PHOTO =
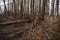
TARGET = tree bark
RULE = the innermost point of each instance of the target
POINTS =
(57, 7)
(43, 10)
(15, 10)
(32, 8)
(28, 7)
(52, 11)
(22, 9)
(5, 9)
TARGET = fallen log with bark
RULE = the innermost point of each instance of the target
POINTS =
(15, 22)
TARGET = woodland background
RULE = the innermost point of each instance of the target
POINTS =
(29, 19)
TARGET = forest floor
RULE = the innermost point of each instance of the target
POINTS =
(28, 31)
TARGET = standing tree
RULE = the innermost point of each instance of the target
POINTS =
(22, 10)
(47, 10)
(5, 10)
(25, 7)
(57, 7)
(0, 10)
(8, 5)
(28, 7)
(1, 16)
(52, 10)
(43, 9)
(15, 10)
(39, 8)
(32, 8)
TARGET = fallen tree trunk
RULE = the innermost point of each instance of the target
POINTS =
(13, 22)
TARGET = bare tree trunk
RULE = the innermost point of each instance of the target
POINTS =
(8, 5)
(22, 9)
(28, 7)
(24, 6)
(15, 10)
(12, 10)
(40, 14)
(57, 7)
(0, 10)
(18, 6)
(39, 7)
(43, 10)
(32, 8)
(5, 10)
(18, 15)
(8, 8)
(52, 11)
(47, 7)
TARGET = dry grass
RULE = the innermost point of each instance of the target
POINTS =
(52, 19)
